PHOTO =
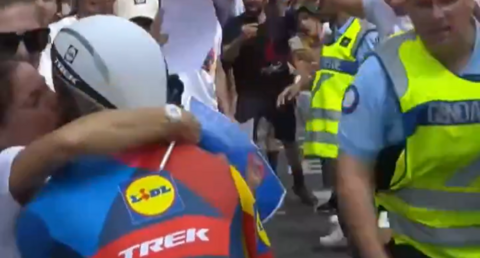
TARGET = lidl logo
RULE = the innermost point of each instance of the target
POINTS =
(151, 196)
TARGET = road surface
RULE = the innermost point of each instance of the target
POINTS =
(294, 232)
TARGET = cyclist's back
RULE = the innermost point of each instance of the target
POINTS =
(102, 207)
(199, 206)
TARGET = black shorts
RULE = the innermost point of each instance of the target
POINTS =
(256, 106)
(329, 168)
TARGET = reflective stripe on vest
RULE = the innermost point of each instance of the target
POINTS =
(434, 200)
(337, 68)
(452, 237)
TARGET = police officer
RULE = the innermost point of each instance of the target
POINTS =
(411, 118)
(353, 39)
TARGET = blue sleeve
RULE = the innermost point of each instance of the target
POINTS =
(368, 44)
(33, 237)
(369, 113)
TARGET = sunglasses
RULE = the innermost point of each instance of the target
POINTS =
(35, 41)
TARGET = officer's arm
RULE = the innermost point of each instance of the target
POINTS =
(352, 7)
(361, 132)
(99, 133)
(367, 46)
(377, 12)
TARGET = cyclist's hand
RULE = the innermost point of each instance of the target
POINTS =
(288, 94)
(188, 129)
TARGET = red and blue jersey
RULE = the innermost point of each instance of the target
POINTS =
(103, 207)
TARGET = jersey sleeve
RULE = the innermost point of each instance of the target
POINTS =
(256, 240)
(33, 237)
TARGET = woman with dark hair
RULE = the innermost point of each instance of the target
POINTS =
(33, 146)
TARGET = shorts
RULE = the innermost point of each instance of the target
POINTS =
(260, 106)
(329, 167)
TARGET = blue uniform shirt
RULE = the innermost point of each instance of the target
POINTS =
(375, 122)
(368, 41)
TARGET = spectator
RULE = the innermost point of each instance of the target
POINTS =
(204, 81)
(142, 12)
(149, 16)
(54, 10)
(21, 32)
(225, 9)
(387, 15)
(208, 83)
(66, 7)
(256, 48)
(85, 8)
(25, 99)
(48, 10)
(306, 45)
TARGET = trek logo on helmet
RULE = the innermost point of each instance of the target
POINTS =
(60, 67)
(71, 54)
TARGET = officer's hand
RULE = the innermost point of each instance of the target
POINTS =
(187, 130)
(288, 94)
(249, 30)
(255, 172)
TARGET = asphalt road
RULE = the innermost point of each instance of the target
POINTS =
(295, 230)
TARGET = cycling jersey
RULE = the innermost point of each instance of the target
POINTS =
(99, 207)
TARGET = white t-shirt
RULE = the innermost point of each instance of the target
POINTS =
(201, 83)
(45, 68)
(382, 15)
(9, 207)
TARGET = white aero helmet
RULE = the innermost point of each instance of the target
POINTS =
(110, 61)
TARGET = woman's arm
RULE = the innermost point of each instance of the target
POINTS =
(99, 133)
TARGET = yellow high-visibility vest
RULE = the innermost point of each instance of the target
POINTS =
(433, 201)
(338, 67)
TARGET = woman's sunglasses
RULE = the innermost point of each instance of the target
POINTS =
(35, 41)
